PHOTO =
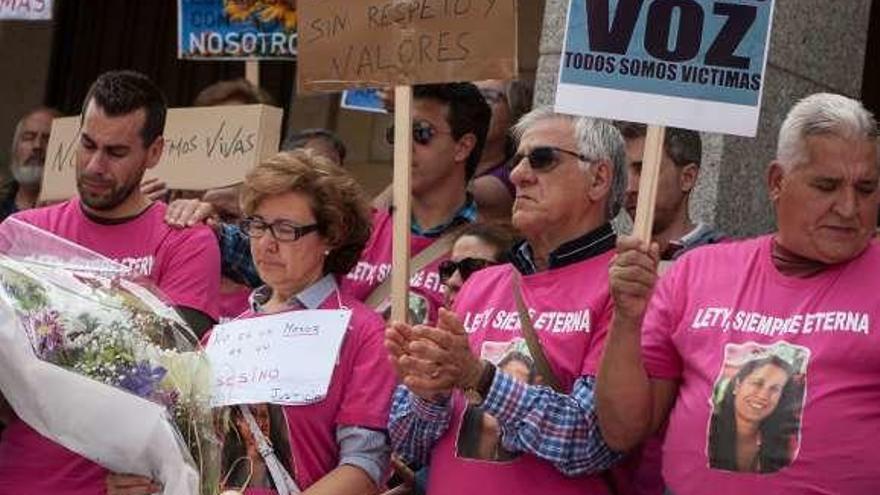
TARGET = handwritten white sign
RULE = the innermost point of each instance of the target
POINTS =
(285, 358)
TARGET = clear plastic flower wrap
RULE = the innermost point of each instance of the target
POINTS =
(96, 361)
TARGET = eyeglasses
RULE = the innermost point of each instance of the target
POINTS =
(282, 230)
(466, 267)
(422, 133)
(493, 96)
(545, 158)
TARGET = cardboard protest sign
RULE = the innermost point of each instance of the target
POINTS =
(345, 44)
(26, 10)
(59, 172)
(696, 64)
(236, 29)
(205, 148)
(285, 358)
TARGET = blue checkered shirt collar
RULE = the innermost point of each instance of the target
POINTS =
(464, 215)
(310, 298)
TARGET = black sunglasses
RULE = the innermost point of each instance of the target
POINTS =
(544, 158)
(466, 267)
(282, 230)
(422, 132)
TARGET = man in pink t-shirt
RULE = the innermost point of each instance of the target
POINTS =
(476, 397)
(121, 137)
(761, 354)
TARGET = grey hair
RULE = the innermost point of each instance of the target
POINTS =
(596, 139)
(822, 114)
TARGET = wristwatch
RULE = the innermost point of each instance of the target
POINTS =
(477, 394)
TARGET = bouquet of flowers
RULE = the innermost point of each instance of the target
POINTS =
(101, 365)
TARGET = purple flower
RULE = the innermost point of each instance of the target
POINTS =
(142, 379)
(47, 332)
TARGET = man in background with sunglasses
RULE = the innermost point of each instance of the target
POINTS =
(450, 123)
(673, 230)
(551, 302)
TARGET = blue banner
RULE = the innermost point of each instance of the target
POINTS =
(363, 99)
(237, 29)
(698, 49)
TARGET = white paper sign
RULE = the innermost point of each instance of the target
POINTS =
(696, 64)
(285, 358)
(26, 10)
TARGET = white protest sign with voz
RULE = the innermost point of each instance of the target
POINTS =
(695, 64)
(285, 358)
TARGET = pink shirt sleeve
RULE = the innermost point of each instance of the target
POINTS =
(662, 317)
(367, 397)
(190, 275)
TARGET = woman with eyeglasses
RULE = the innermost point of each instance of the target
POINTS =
(308, 222)
(477, 246)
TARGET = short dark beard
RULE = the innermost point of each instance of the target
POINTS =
(116, 196)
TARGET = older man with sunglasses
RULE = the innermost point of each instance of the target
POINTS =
(551, 304)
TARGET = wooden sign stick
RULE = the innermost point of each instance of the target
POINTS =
(401, 201)
(252, 72)
(653, 155)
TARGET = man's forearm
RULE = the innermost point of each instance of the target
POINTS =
(623, 390)
(344, 480)
(415, 425)
(558, 428)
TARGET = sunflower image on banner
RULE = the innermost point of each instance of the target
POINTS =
(236, 29)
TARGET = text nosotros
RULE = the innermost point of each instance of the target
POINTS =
(421, 49)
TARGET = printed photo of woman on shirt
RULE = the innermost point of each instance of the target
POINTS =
(480, 436)
(757, 405)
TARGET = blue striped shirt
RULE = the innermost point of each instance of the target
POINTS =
(561, 429)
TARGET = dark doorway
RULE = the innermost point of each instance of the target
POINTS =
(871, 80)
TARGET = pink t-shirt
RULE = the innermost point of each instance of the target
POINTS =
(571, 318)
(375, 266)
(359, 395)
(184, 265)
(233, 300)
(795, 358)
